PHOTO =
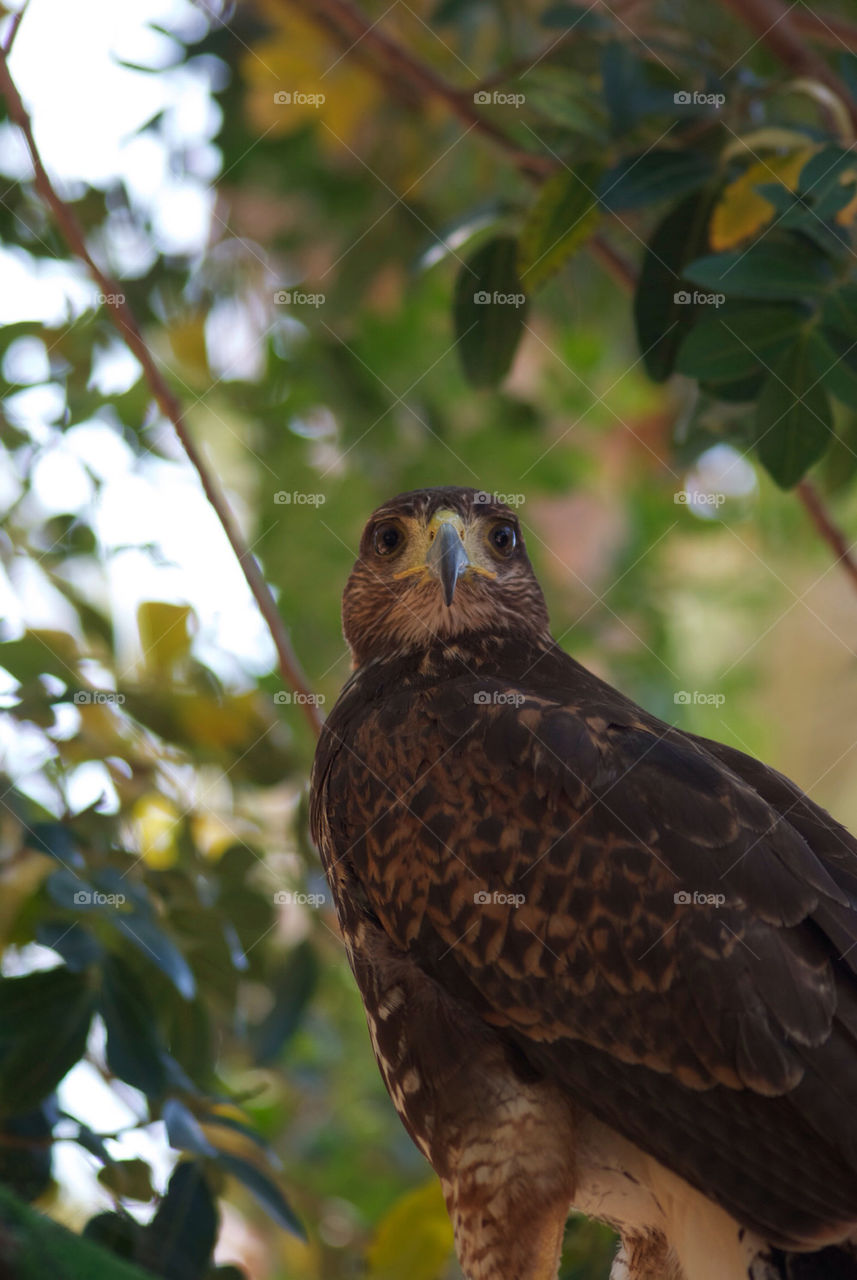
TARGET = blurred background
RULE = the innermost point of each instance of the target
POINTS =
(298, 224)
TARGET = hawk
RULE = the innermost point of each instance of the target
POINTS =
(607, 965)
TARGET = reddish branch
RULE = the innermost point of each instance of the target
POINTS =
(771, 20)
(126, 323)
(831, 533)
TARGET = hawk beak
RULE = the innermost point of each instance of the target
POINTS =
(447, 558)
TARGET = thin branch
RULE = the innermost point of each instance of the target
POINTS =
(772, 23)
(830, 532)
(17, 19)
(125, 321)
(836, 33)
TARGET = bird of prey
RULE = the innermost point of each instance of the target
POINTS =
(607, 965)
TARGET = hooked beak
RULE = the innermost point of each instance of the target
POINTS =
(447, 557)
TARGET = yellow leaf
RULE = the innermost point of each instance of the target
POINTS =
(413, 1241)
(741, 211)
(297, 76)
(156, 821)
(231, 722)
(187, 339)
(166, 631)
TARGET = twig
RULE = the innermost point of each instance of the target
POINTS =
(771, 21)
(836, 33)
(126, 323)
(17, 19)
(829, 531)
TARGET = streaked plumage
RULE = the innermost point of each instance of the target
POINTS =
(510, 843)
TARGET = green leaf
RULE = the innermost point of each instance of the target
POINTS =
(654, 175)
(71, 942)
(44, 1023)
(129, 1179)
(835, 359)
(134, 1049)
(662, 321)
(561, 220)
(161, 950)
(27, 1169)
(40, 652)
(731, 344)
(788, 268)
(293, 986)
(179, 1241)
(839, 311)
(489, 311)
(184, 1130)
(827, 181)
(793, 418)
(265, 1190)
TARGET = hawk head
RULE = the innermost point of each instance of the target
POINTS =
(436, 565)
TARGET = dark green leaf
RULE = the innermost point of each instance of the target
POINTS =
(661, 315)
(729, 344)
(179, 1241)
(835, 359)
(489, 311)
(839, 311)
(265, 1190)
(184, 1130)
(788, 268)
(27, 1169)
(161, 950)
(55, 839)
(44, 1023)
(129, 1179)
(116, 1232)
(561, 220)
(827, 181)
(793, 418)
(293, 986)
(134, 1050)
(70, 941)
(654, 175)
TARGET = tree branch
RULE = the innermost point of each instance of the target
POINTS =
(830, 532)
(772, 22)
(125, 321)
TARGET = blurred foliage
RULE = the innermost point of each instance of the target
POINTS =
(384, 300)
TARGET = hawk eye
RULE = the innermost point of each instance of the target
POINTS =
(388, 538)
(503, 538)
